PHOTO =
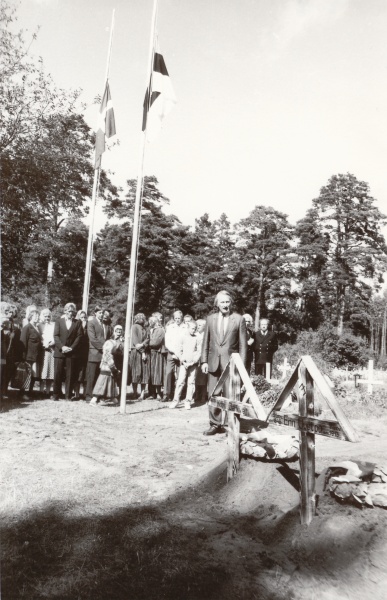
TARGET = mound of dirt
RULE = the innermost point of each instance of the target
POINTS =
(97, 505)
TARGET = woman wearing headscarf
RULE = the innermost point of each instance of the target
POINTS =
(139, 362)
(156, 346)
(46, 362)
(106, 388)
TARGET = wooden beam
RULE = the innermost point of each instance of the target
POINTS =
(253, 397)
(324, 427)
(307, 445)
(329, 397)
(233, 423)
(240, 408)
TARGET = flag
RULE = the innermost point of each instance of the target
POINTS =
(106, 125)
(159, 98)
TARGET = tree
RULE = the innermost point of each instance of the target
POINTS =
(28, 95)
(46, 161)
(209, 252)
(161, 282)
(348, 232)
(312, 257)
(265, 263)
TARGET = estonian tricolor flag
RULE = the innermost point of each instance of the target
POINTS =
(106, 125)
(159, 98)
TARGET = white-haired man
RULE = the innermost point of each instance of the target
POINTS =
(225, 333)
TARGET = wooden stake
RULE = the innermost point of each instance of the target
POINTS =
(307, 448)
(233, 423)
(268, 371)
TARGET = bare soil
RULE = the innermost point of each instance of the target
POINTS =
(99, 505)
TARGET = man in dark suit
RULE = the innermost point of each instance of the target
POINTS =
(99, 330)
(224, 334)
(265, 344)
(67, 336)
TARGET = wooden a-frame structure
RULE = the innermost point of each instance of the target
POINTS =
(308, 377)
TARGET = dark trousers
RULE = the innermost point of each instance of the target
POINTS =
(170, 375)
(91, 378)
(261, 369)
(217, 416)
(71, 372)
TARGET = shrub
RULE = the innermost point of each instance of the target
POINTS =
(327, 349)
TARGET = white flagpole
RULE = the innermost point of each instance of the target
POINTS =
(97, 172)
(135, 232)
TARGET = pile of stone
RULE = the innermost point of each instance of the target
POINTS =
(362, 484)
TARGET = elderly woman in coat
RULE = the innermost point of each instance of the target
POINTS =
(139, 358)
(31, 341)
(156, 346)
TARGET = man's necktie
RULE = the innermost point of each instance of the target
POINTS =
(222, 329)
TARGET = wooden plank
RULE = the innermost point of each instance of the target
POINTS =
(247, 410)
(233, 423)
(221, 380)
(311, 444)
(245, 397)
(326, 428)
(329, 397)
(268, 371)
(286, 391)
(254, 399)
(307, 444)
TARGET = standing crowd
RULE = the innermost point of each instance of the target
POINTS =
(180, 361)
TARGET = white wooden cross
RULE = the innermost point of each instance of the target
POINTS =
(285, 368)
(370, 381)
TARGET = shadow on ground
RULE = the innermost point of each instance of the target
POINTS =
(191, 547)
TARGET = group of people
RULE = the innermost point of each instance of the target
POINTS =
(70, 349)
(179, 362)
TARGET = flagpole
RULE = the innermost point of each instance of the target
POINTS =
(97, 172)
(135, 232)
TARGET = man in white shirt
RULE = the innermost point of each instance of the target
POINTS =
(172, 343)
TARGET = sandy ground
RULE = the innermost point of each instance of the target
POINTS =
(71, 462)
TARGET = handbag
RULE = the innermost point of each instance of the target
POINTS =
(22, 377)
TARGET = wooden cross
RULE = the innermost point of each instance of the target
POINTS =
(371, 381)
(308, 377)
(285, 368)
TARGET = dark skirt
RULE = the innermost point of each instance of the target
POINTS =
(139, 369)
(156, 368)
(106, 386)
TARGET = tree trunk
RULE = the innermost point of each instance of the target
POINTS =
(340, 316)
(259, 302)
(384, 333)
(49, 280)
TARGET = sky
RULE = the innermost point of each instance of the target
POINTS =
(274, 96)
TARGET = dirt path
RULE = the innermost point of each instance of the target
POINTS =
(149, 485)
